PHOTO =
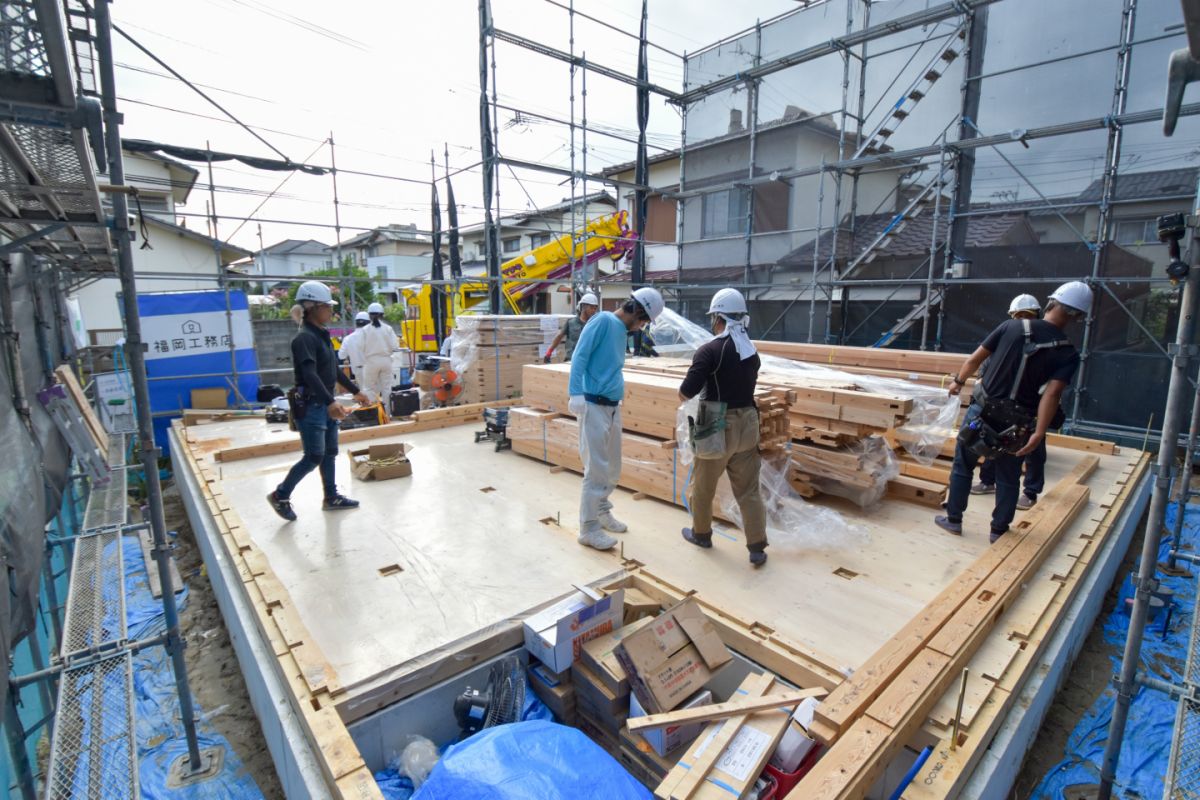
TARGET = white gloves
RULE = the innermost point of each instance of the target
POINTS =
(576, 405)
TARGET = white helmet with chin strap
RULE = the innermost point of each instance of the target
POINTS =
(1024, 302)
(727, 301)
(650, 301)
(1074, 295)
(375, 308)
(589, 299)
(316, 292)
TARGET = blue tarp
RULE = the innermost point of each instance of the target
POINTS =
(160, 736)
(1146, 745)
(534, 760)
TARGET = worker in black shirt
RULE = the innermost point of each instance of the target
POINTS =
(1049, 362)
(724, 373)
(314, 407)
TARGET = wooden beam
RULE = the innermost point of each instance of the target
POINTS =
(780, 701)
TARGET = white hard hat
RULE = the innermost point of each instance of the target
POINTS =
(362, 316)
(727, 301)
(316, 292)
(1023, 302)
(375, 308)
(1074, 294)
(650, 300)
(589, 299)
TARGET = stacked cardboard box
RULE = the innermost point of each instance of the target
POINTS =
(602, 687)
(555, 689)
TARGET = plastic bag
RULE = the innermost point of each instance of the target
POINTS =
(418, 760)
(879, 462)
(535, 760)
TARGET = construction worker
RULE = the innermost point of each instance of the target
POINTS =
(378, 343)
(1025, 359)
(724, 373)
(1023, 306)
(596, 389)
(350, 353)
(314, 407)
(447, 344)
(571, 329)
(640, 343)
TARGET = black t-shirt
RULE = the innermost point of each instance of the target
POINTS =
(315, 364)
(722, 374)
(1006, 345)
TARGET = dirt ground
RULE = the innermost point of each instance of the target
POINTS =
(216, 680)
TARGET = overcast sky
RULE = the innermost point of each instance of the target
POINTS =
(393, 80)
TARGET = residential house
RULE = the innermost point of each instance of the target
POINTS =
(292, 258)
(166, 249)
(520, 233)
(390, 254)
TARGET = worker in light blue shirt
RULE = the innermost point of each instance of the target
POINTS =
(596, 390)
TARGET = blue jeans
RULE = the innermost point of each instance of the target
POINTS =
(319, 436)
(1008, 478)
(1035, 471)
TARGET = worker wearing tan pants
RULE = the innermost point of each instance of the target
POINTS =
(742, 463)
(724, 430)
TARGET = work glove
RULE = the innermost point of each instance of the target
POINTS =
(546, 358)
(576, 405)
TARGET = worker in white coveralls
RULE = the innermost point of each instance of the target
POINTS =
(378, 343)
(725, 431)
(350, 353)
(596, 390)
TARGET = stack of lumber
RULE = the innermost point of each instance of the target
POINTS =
(490, 351)
(874, 713)
(827, 422)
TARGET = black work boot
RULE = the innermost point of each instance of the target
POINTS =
(339, 503)
(282, 506)
(699, 539)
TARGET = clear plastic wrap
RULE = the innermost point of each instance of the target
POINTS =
(932, 418)
(487, 351)
(879, 462)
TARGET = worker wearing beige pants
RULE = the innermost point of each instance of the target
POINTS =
(724, 430)
(742, 463)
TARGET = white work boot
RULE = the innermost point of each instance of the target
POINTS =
(597, 539)
(612, 524)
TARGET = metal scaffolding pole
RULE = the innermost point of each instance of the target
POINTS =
(135, 348)
(641, 174)
(222, 280)
(488, 152)
(1146, 583)
(1171, 565)
(347, 308)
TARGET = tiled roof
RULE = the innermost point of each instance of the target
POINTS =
(690, 275)
(912, 240)
(1147, 185)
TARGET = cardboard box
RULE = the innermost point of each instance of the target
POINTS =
(796, 743)
(210, 398)
(558, 695)
(595, 731)
(663, 740)
(599, 656)
(639, 605)
(601, 717)
(641, 751)
(556, 635)
(597, 695)
(672, 658)
(738, 766)
(365, 463)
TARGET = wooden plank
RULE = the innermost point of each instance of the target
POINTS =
(782, 701)
(916, 490)
(66, 376)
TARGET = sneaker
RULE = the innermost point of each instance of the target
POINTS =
(699, 540)
(612, 524)
(983, 488)
(1026, 502)
(339, 503)
(995, 535)
(597, 539)
(757, 558)
(946, 524)
(282, 506)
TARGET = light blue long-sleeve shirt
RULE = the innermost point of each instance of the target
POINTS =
(598, 358)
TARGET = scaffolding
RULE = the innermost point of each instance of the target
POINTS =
(938, 122)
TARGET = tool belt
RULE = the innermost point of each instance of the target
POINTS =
(706, 431)
(1004, 426)
(297, 398)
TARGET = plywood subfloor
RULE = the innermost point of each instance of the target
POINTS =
(466, 532)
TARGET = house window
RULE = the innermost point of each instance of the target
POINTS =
(724, 213)
(1136, 232)
(381, 273)
(539, 239)
(511, 244)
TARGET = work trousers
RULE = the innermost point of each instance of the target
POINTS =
(600, 451)
(377, 378)
(319, 437)
(742, 463)
(1035, 471)
(1008, 476)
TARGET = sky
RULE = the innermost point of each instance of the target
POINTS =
(391, 81)
(394, 81)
